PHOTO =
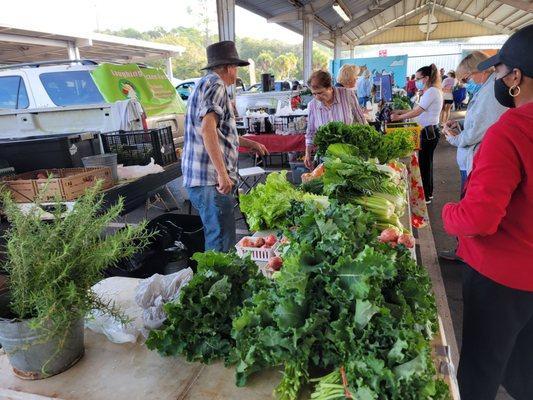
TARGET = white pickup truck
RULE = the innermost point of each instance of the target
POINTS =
(61, 97)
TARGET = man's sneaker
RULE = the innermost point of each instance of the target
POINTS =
(449, 255)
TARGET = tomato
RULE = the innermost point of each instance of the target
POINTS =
(271, 240)
(259, 242)
(275, 263)
(246, 242)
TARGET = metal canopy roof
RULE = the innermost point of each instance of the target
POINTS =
(18, 45)
(392, 21)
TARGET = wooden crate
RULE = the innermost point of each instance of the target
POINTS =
(70, 183)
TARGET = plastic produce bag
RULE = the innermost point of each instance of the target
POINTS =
(138, 171)
(115, 331)
(152, 293)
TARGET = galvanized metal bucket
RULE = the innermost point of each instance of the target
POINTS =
(34, 356)
(103, 160)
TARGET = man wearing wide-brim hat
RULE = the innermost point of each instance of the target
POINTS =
(211, 147)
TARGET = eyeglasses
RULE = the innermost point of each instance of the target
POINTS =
(319, 93)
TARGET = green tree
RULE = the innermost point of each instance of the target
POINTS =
(264, 62)
(320, 60)
(282, 59)
(284, 65)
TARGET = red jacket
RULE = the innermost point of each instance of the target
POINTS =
(494, 221)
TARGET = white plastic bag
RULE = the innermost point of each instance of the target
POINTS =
(138, 171)
(152, 293)
(115, 331)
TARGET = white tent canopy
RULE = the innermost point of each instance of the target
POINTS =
(21, 45)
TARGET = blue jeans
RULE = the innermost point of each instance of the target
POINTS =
(464, 175)
(216, 212)
(363, 100)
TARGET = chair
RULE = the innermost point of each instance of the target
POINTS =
(248, 178)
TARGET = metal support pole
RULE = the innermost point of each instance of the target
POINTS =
(337, 44)
(169, 69)
(73, 51)
(308, 45)
(226, 19)
(352, 51)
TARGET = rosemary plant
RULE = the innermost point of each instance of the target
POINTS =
(52, 265)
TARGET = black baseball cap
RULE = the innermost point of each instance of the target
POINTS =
(515, 53)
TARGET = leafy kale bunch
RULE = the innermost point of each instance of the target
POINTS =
(368, 142)
(283, 324)
(341, 298)
(199, 322)
(364, 137)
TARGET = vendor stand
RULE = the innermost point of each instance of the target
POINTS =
(132, 372)
(141, 374)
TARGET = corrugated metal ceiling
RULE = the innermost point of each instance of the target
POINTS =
(371, 18)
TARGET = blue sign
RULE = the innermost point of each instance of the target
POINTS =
(395, 66)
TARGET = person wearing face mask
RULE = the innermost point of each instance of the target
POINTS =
(483, 111)
(427, 113)
(329, 104)
(494, 224)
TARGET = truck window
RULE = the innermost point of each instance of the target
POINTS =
(69, 88)
(13, 93)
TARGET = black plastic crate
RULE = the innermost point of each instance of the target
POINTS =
(48, 151)
(137, 147)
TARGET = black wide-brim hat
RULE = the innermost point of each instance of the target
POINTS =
(223, 53)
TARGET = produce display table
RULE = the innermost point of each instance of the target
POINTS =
(131, 371)
(278, 143)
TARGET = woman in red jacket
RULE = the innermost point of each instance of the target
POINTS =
(494, 223)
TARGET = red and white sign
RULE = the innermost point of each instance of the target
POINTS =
(383, 53)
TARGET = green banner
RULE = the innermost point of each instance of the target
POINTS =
(149, 86)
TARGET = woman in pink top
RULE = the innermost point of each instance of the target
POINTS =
(329, 104)
(447, 92)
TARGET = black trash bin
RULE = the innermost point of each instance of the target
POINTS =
(171, 228)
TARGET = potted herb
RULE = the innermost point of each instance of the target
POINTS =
(52, 266)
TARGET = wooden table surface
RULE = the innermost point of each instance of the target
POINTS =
(110, 371)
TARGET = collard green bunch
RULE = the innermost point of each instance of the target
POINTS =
(368, 142)
(364, 137)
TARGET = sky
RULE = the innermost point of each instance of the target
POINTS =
(82, 16)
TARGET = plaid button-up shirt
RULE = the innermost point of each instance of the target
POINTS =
(345, 108)
(209, 95)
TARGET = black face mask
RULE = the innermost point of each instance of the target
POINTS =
(501, 92)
